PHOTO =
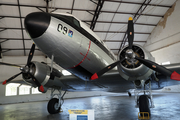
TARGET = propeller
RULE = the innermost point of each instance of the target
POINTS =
(152, 65)
(130, 31)
(31, 53)
(37, 83)
(131, 55)
(6, 81)
(25, 69)
(159, 68)
(104, 70)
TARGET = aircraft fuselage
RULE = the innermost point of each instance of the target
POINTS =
(74, 46)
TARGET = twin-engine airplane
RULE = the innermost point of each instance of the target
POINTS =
(72, 45)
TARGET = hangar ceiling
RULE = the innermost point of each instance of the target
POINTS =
(107, 18)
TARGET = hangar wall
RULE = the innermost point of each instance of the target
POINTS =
(164, 41)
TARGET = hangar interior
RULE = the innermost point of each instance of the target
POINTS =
(156, 29)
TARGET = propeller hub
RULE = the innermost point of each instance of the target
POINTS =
(130, 54)
(24, 69)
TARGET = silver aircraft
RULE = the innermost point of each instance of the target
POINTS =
(72, 45)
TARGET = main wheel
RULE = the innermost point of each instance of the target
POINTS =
(144, 104)
(53, 106)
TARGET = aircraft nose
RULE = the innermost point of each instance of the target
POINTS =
(37, 23)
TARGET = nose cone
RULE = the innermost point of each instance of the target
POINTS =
(37, 23)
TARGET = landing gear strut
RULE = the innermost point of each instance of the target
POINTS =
(144, 102)
(129, 93)
(54, 105)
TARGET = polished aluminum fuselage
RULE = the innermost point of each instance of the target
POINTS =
(77, 54)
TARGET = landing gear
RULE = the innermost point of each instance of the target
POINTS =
(144, 102)
(129, 93)
(54, 105)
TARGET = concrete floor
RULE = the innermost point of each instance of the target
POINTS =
(111, 107)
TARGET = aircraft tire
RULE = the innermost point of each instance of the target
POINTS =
(144, 104)
(52, 109)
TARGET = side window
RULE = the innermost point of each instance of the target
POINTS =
(76, 22)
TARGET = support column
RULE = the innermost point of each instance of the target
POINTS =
(47, 5)
(0, 52)
(96, 14)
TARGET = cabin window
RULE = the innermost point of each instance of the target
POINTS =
(68, 17)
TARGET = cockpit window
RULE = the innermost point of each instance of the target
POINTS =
(68, 18)
(76, 22)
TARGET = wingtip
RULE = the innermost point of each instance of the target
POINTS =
(94, 76)
(175, 76)
(4, 82)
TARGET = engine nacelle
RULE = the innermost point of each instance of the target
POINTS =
(41, 72)
(132, 69)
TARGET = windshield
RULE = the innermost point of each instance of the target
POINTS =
(69, 18)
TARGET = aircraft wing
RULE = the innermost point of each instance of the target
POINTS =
(110, 82)
(113, 82)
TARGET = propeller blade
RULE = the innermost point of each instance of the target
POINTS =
(31, 53)
(159, 68)
(104, 70)
(37, 83)
(130, 31)
(8, 64)
(6, 81)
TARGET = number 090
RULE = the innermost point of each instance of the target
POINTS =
(62, 29)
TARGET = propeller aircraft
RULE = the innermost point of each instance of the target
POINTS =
(72, 45)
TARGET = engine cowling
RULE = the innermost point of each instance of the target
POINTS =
(132, 69)
(41, 72)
